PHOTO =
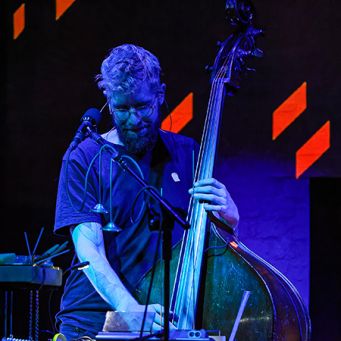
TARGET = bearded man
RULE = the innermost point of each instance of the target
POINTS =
(130, 81)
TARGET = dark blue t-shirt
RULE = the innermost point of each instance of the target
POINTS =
(130, 252)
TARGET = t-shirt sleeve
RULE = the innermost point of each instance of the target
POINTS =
(77, 193)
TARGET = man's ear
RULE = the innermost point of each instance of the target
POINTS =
(162, 93)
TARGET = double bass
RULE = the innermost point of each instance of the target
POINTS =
(218, 283)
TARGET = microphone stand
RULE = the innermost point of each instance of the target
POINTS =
(171, 216)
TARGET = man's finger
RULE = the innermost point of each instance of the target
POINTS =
(209, 198)
(209, 181)
(209, 207)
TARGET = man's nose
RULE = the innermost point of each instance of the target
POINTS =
(134, 115)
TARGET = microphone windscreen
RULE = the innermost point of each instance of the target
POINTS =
(93, 115)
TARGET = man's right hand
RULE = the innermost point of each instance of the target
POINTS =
(158, 309)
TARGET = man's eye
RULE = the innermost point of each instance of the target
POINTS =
(142, 107)
(121, 109)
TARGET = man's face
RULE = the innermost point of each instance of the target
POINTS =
(136, 117)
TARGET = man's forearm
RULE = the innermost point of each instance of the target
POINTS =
(89, 247)
(108, 284)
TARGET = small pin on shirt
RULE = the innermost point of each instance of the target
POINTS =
(175, 177)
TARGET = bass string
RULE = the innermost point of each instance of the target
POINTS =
(188, 243)
(196, 257)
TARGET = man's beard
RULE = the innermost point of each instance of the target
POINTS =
(139, 142)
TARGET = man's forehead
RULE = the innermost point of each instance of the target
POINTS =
(141, 93)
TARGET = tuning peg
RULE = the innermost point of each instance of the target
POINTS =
(256, 31)
(257, 53)
(99, 208)
(208, 68)
(250, 69)
(219, 43)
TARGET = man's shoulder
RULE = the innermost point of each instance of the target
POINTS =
(86, 148)
(170, 139)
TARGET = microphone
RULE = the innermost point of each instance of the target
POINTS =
(89, 122)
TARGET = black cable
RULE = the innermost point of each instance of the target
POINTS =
(151, 280)
(49, 308)
(168, 113)
(80, 209)
(98, 154)
(142, 190)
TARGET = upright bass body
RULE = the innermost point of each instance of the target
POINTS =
(274, 309)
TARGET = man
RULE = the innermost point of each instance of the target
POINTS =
(130, 80)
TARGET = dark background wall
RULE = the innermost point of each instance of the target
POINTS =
(47, 83)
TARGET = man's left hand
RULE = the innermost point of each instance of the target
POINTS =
(217, 200)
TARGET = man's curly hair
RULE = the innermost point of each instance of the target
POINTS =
(126, 67)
